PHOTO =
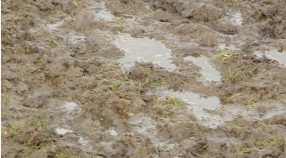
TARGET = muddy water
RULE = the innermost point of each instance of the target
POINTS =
(54, 26)
(146, 126)
(143, 50)
(235, 17)
(208, 71)
(273, 54)
(204, 107)
(101, 13)
(69, 106)
(62, 131)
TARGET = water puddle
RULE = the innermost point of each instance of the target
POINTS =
(235, 18)
(101, 13)
(273, 54)
(146, 127)
(252, 112)
(83, 142)
(54, 26)
(205, 108)
(69, 106)
(126, 16)
(271, 113)
(230, 47)
(143, 49)
(62, 131)
(104, 15)
(75, 39)
(112, 132)
(208, 71)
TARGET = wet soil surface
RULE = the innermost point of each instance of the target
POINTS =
(143, 78)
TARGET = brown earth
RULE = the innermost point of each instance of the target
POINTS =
(60, 72)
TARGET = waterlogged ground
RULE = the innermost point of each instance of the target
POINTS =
(143, 78)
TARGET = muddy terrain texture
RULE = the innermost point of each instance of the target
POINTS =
(65, 93)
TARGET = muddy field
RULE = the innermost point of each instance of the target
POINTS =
(143, 78)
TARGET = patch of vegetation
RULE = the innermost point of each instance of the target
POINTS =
(223, 55)
(160, 149)
(86, 71)
(243, 149)
(199, 74)
(30, 120)
(42, 145)
(279, 141)
(6, 99)
(228, 100)
(251, 71)
(114, 86)
(261, 143)
(142, 83)
(117, 27)
(11, 130)
(171, 99)
(158, 82)
(251, 101)
(27, 49)
(52, 41)
(231, 75)
(234, 126)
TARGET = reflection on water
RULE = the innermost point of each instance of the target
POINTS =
(208, 71)
(273, 54)
(143, 49)
(69, 106)
(62, 131)
(203, 107)
(236, 18)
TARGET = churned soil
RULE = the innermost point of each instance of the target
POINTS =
(64, 93)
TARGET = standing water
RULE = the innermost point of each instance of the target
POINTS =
(208, 71)
(274, 54)
(203, 107)
(143, 49)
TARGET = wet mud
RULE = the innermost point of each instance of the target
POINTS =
(143, 78)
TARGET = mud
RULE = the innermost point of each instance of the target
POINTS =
(143, 78)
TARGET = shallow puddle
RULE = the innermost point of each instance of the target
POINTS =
(236, 18)
(208, 71)
(146, 126)
(273, 54)
(62, 131)
(74, 39)
(126, 16)
(112, 132)
(54, 26)
(83, 142)
(205, 108)
(68, 107)
(101, 13)
(143, 49)
(229, 47)
(104, 15)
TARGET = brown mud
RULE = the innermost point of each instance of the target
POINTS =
(143, 78)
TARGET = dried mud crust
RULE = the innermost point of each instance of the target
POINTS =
(120, 113)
